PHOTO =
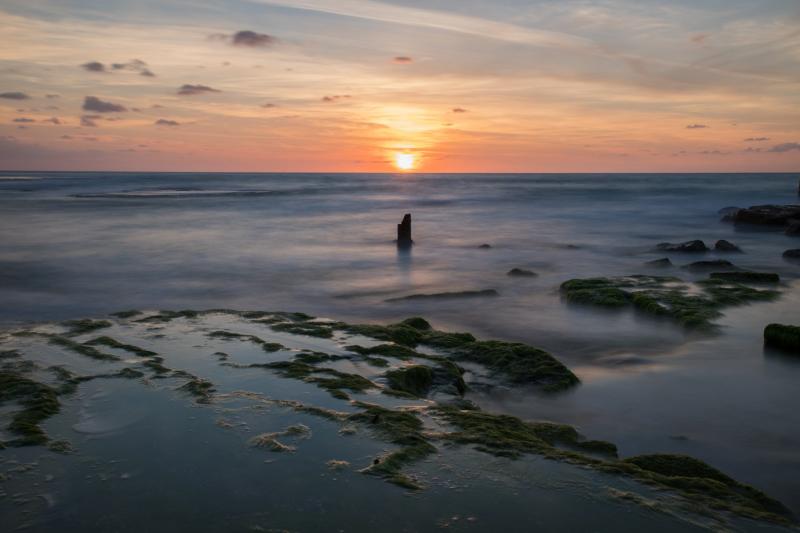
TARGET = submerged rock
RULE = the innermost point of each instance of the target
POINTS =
(659, 263)
(793, 228)
(688, 246)
(522, 273)
(726, 246)
(783, 336)
(716, 264)
(746, 276)
(772, 215)
(445, 295)
(485, 246)
(792, 254)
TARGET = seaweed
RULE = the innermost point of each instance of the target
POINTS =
(80, 348)
(416, 380)
(385, 350)
(85, 325)
(167, 316)
(312, 329)
(398, 427)
(201, 389)
(783, 336)
(126, 314)
(268, 347)
(660, 296)
(39, 402)
(271, 442)
(331, 380)
(113, 343)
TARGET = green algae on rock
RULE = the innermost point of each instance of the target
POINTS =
(665, 296)
(746, 276)
(415, 379)
(783, 336)
(85, 325)
(113, 343)
(228, 335)
(38, 401)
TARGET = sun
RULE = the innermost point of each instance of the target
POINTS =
(404, 161)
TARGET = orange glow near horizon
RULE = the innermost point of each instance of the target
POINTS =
(404, 161)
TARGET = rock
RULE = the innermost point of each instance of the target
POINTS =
(717, 264)
(785, 337)
(485, 246)
(521, 272)
(688, 246)
(446, 295)
(726, 246)
(792, 254)
(404, 232)
(660, 263)
(793, 228)
(730, 210)
(767, 215)
(747, 277)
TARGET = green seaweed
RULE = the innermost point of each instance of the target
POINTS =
(85, 325)
(398, 427)
(80, 348)
(665, 297)
(127, 314)
(201, 389)
(785, 337)
(113, 343)
(312, 329)
(38, 401)
(268, 347)
(416, 380)
(332, 380)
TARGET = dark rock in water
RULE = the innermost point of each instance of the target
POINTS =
(717, 264)
(688, 246)
(726, 246)
(445, 295)
(768, 215)
(521, 272)
(404, 232)
(783, 337)
(660, 263)
(792, 254)
(793, 228)
(730, 210)
(746, 277)
(485, 246)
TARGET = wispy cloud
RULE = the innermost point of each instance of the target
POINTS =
(23, 119)
(92, 103)
(402, 59)
(459, 110)
(335, 97)
(245, 38)
(785, 147)
(15, 95)
(189, 89)
(756, 139)
(696, 126)
(94, 66)
(166, 122)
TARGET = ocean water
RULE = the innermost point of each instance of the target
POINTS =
(85, 244)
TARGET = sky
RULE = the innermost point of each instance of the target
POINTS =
(374, 85)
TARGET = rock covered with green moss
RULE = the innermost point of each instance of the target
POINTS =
(783, 336)
(665, 296)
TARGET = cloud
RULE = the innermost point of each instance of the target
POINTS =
(756, 139)
(402, 59)
(785, 147)
(23, 119)
(696, 126)
(134, 65)
(94, 66)
(335, 97)
(188, 89)
(88, 121)
(52, 96)
(700, 38)
(245, 38)
(165, 122)
(54, 120)
(459, 110)
(15, 95)
(92, 103)
(268, 106)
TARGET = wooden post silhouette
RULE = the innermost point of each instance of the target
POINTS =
(404, 232)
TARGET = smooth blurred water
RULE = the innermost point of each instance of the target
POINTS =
(76, 244)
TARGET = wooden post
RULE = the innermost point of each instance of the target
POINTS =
(404, 232)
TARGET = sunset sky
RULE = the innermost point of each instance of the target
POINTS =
(351, 85)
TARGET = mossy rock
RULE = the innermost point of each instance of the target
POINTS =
(39, 402)
(747, 277)
(783, 336)
(85, 325)
(416, 380)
